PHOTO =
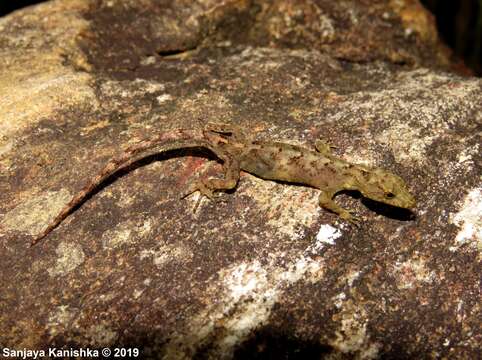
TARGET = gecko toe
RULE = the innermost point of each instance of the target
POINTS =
(202, 188)
(356, 221)
(351, 218)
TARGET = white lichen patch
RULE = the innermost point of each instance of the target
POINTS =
(250, 290)
(69, 257)
(412, 273)
(126, 233)
(126, 197)
(326, 235)
(466, 156)
(413, 125)
(148, 86)
(396, 137)
(29, 99)
(6, 145)
(95, 125)
(304, 268)
(101, 334)
(60, 319)
(350, 277)
(164, 98)
(352, 336)
(360, 155)
(137, 293)
(338, 300)
(300, 114)
(122, 234)
(206, 105)
(149, 60)
(33, 215)
(167, 253)
(469, 220)
(244, 279)
(129, 89)
(327, 29)
(146, 228)
(288, 209)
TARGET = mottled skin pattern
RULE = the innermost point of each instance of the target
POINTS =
(265, 159)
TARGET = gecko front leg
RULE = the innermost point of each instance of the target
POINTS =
(323, 147)
(326, 201)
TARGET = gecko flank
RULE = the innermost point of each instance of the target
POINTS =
(265, 159)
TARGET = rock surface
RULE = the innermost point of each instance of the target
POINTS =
(266, 272)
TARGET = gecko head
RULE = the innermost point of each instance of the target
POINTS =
(386, 187)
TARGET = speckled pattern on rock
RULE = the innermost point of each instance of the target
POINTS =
(265, 273)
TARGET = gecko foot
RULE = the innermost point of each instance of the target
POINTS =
(323, 147)
(201, 187)
(352, 219)
(206, 191)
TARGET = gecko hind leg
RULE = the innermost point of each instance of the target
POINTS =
(323, 147)
(326, 201)
(207, 187)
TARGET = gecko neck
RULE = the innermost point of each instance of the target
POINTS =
(361, 176)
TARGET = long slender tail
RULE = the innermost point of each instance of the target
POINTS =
(177, 139)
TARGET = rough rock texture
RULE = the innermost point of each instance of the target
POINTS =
(266, 273)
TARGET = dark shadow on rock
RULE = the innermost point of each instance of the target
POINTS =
(7, 7)
(389, 211)
(268, 343)
(392, 212)
(352, 193)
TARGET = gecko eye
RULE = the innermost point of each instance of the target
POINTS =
(389, 195)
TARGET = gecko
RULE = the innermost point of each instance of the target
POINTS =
(317, 168)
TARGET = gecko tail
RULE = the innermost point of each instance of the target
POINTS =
(43, 234)
(56, 222)
(111, 167)
(183, 138)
